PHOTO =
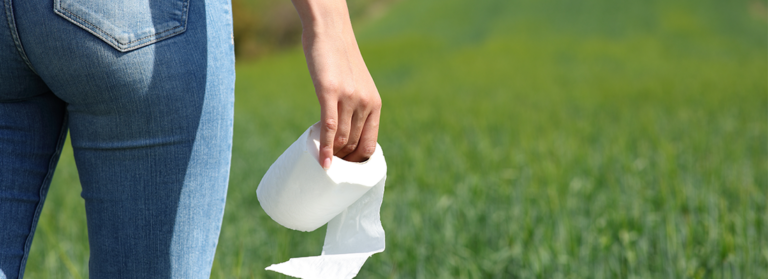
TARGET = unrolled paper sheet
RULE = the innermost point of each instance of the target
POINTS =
(299, 194)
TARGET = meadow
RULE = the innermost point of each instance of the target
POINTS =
(524, 139)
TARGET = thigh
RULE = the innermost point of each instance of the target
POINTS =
(151, 130)
(32, 131)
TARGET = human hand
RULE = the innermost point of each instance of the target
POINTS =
(350, 104)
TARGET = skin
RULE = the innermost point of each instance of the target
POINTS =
(350, 104)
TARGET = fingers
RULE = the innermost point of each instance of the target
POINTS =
(329, 122)
(343, 134)
(368, 138)
(355, 130)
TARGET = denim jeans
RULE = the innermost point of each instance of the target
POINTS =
(146, 91)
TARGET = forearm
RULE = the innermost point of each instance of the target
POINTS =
(322, 15)
(328, 19)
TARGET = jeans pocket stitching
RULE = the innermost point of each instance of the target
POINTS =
(114, 42)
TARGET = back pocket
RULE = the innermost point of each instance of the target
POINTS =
(127, 24)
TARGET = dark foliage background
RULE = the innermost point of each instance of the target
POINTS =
(263, 27)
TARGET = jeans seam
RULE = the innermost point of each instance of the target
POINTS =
(44, 190)
(15, 34)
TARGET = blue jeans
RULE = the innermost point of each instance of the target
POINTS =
(146, 91)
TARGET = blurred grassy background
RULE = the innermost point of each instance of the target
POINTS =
(525, 139)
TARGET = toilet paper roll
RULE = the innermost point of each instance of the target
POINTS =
(299, 194)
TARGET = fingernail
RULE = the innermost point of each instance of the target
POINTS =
(327, 163)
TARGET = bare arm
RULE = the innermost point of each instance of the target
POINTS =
(349, 101)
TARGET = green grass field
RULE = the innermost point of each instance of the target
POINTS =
(525, 139)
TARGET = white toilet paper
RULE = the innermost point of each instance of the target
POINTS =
(299, 194)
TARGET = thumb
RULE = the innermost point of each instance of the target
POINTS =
(329, 123)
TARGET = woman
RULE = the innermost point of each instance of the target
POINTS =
(146, 91)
